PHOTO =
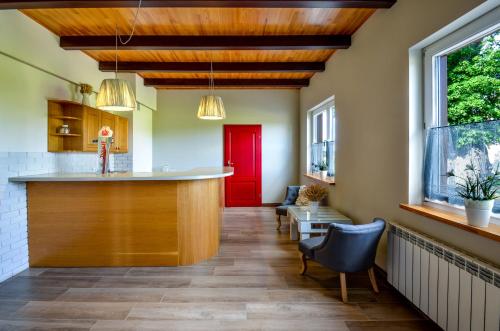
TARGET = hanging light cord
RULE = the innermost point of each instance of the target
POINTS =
(118, 37)
(133, 26)
(211, 82)
(116, 51)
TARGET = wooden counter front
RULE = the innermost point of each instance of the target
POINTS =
(123, 223)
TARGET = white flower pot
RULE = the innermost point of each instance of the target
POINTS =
(478, 212)
(313, 207)
(324, 174)
(86, 99)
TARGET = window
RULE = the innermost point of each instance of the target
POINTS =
(322, 137)
(462, 101)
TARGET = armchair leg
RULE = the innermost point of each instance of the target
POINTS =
(373, 280)
(343, 287)
(303, 267)
(278, 220)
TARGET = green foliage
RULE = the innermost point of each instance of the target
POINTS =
(478, 186)
(474, 82)
(474, 90)
(323, 166)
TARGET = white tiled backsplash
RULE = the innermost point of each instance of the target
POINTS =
(13, 213)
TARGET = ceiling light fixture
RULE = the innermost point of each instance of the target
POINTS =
(211, 106)
(117, 94)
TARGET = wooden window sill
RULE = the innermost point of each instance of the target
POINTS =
(317, 177)
(454, 219)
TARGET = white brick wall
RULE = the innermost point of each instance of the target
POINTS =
(122, 162)
(13, 213)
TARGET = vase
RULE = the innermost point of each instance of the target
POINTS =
(313, 207)
(478, 212)
(86, 99)
(324, 174)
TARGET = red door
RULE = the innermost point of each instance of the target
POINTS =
(242, 150)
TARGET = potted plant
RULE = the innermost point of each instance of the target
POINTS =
(323, 169)
(86, 91)
(479, 191)
(315, 193)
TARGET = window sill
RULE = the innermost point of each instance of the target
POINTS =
(317, 177)
(491, 232)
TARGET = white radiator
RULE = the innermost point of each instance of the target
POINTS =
(456, 291)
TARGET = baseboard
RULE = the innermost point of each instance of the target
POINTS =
(380, 272)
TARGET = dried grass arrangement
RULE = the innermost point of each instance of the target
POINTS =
(85, 88)
(316, 192)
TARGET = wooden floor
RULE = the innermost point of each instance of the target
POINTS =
(252, 285)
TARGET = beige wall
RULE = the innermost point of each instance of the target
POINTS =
(183, 141)
(370, 82)
(24, 89)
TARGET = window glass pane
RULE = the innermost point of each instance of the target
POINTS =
(472, 80)
(322, 138)
(318, 122)
(452, 148)
(468, 115)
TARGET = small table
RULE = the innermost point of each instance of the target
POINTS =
(302, 221)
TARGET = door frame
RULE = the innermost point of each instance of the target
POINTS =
(258, 162)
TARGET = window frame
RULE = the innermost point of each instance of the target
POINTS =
(432, 77)
(327, 106)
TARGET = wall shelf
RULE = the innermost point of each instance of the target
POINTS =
(66, 134)
(66, 118)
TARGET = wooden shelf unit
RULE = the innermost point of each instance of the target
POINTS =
(84, 123)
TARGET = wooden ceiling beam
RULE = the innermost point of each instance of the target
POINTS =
(217, 66)
(195, 82)
(271, 42)
(39, 4)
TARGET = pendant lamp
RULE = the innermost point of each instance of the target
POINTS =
(211, 106)
(117, 94)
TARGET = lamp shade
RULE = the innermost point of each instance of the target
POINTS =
(115, 95)
(211, 108)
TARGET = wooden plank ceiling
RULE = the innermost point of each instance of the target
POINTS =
(259, 46)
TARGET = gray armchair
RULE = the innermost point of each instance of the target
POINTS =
(292, 193)
(345, 248)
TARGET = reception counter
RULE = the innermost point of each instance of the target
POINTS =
(124, 219)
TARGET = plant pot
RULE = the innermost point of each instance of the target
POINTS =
(86, 99)
(478, 212)
(313, 207)
(324, 174)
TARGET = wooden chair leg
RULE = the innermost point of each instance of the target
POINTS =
(343, 287)
(278, 220)
(303, 260)
(373, 280)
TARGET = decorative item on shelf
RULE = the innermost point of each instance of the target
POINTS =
(64, 129)
(103, 149)
(85, 90)
(315, 193)
(211, 106)
(323, 169)
(117, 94)
(479, 191)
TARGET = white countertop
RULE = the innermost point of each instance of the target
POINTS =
(194, 174)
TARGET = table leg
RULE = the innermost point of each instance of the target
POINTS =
(293, 229)
(304, 229)
(304, 236)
